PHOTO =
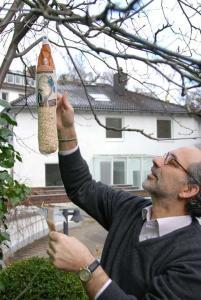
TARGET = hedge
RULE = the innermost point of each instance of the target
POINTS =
(37, 279)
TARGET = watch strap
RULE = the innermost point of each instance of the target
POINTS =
(94, 265)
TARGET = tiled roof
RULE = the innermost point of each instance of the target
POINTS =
(129, 102)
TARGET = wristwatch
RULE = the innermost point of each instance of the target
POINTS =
(86, 272)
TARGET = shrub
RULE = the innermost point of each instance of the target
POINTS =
(36, 279)
(11, 191)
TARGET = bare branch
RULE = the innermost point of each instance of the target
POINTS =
(117, 35)
(10, 14)
(160, 30)
(141, 131)
(20, 31)
(20, 54)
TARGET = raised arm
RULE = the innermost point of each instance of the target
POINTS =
(65, 124)
(97, 199)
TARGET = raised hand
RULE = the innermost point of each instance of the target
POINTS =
(65, 113)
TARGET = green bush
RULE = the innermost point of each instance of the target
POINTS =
(11, 191)
(36, 279)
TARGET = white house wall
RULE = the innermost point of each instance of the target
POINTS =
(93, 142)
(12, 94)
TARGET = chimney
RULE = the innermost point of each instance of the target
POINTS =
(120, 80)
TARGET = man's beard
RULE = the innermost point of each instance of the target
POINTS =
(159, 189)
(154, 189)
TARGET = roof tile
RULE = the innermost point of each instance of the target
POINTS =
(129, 102)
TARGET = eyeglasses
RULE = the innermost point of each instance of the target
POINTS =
(170, 159)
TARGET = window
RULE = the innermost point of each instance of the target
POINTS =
(122, 170)
(18, 79)
(112, 171)
(119, 172)
(116, 123)
(147, 164)
(105, 172)
(4, 96)
(136, 179)
(52, 175)
(134, 172)
(163, 129)
(10, 78)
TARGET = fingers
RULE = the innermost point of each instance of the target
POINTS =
(68, 253)
(59, 99)
(54, 236)
(62, 101)
(58, 237)
(65, 97)
(52, 244)
(51, 253)
(65, 102)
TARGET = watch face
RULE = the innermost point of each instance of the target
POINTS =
(85, 275)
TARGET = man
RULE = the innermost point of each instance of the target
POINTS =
(153, 249)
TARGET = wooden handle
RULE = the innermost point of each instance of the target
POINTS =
(51, 226)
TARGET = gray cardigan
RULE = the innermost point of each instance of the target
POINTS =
(164, 268)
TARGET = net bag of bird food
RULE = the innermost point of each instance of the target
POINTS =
(46, 94)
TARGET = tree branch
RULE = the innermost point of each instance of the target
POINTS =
(20, 54)
(141, 131)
